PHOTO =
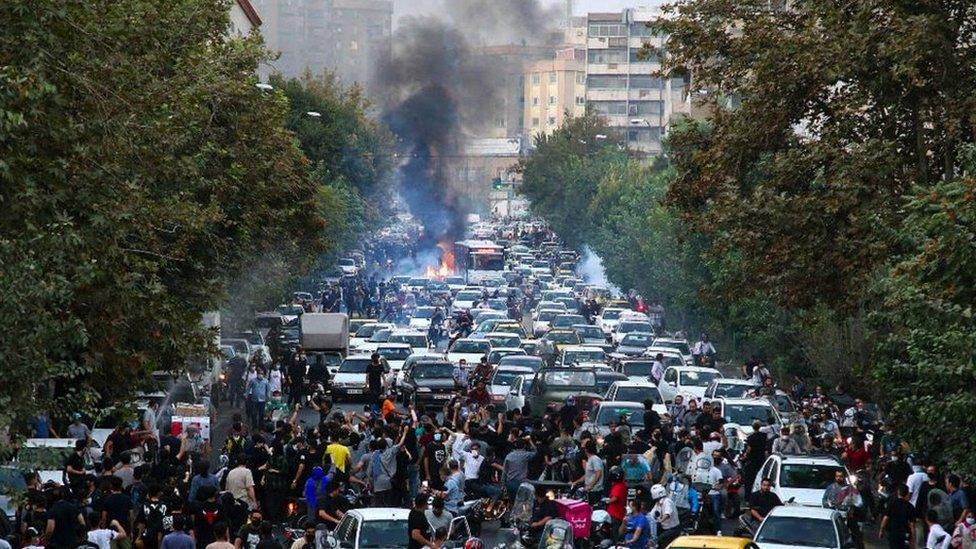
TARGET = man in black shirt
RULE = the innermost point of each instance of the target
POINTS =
(899, 520)
(374, 377)
(763, 501)
(236, 367)
(117, 506)
(544, 511)
(756, 444)
(329, 510)
(418, 528)
(63, 521)
(74, 467)
(206, 514)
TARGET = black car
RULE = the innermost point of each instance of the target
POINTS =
(428, 382)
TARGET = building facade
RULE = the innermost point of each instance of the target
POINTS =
(623, 86)
(243, 17)
(554, 90)
(348, 37)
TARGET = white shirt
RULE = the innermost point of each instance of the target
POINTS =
(714, 479)
(102, 537)
(657, 371)
(274, 380)
(665, 506)
(938, 538)
(711, 446)
(472, 464)
(703, 348)
(914, 482)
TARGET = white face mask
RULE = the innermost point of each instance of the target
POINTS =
(971, 521)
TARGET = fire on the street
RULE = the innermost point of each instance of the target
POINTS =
(446, 267)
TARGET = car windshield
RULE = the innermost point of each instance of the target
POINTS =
(367, 330)
(504, 341)
(696, 378)
(471, 346)
(641, 368)
(382, 533)
(783, 403)
(575, 357)
(564, 321)
(533, 362)
(394, 353)
(424, 312)
(638, 394)
(745, 414)
(495, 356)
(471, 295)
(636, 340)
(732, 390)
(591, 332)
(422, 282)
(227, 351)
(627, 327)
(610, 414)
(503, 377)
(570, 378)
(547, 316)
(433, 370)
(381, 336)
(354, 366)
(797, 532)
(611, 314)
(806, 475)
(678, 346)
(563, 337)
(414, 340)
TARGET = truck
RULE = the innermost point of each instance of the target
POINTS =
(325, 339)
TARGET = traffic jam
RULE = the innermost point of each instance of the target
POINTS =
(500, 396)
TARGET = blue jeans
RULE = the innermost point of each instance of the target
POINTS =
(413, 478)
(717, 505)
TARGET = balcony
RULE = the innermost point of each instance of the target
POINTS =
(607, 68)
(606, 95)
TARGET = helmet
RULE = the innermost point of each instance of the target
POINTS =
(616, 474)
(658, 492)
(474, 543)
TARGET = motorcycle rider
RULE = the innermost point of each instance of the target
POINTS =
(843, 496)
(703, 350)
(665, 514)
(543, 511)
(617, 502)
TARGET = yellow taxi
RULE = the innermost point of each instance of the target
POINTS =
(712, 542)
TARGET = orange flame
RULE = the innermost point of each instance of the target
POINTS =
(446, 267)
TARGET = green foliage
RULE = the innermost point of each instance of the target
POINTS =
(141, 170)
(882, 92)
(926, 363)
(561, 178)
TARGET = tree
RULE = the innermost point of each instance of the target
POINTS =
(561, 178)
(824, 114)
(141, 171)
(926, 363)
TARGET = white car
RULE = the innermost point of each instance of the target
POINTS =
(501, 384)
(608, 319)
(466, 299)
(471, 350)
(515, 400)
(417, 340)
(790, 526)
(386, 527)
(690, 381)
(420, 320)
(381, 335)
(503, 339)
(670, 356)
(627, 326)
(543, 319)
(578, 354)
(740, 413)
(607, 412)
(802, 478)
(636, 391)
(591, 335)
(395, 354)
(724, 387)
(637, 370)
(679, 345)
(365, 332)
(350, 380)
(348, 266)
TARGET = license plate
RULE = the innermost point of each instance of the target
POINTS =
(355, 391)
(442, 396)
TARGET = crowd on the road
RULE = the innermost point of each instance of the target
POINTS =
(276, 477)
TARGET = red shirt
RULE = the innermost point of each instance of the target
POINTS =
(618, 509)
(857, 458)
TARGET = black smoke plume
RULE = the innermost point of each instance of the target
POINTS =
(437, 91)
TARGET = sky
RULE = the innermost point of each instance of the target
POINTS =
(581, 7)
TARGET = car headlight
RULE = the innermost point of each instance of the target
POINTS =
(423, 389)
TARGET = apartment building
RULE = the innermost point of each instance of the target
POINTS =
(553, 90)
(623, 86)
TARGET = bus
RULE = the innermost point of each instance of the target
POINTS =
(479, 260)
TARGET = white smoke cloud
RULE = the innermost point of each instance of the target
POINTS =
(592, 271)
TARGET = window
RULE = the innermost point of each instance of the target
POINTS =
(535, 101)
(607, 82)
(552, 78)
(536, 78)
(552, 99)
(581, 78)
(651, 56)
(641, 108)
(535, 122)
(604, 29)
(580, 100)
(552, 120)
(609, 107)
(642, 82)
(607, 56)
(640, 28)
